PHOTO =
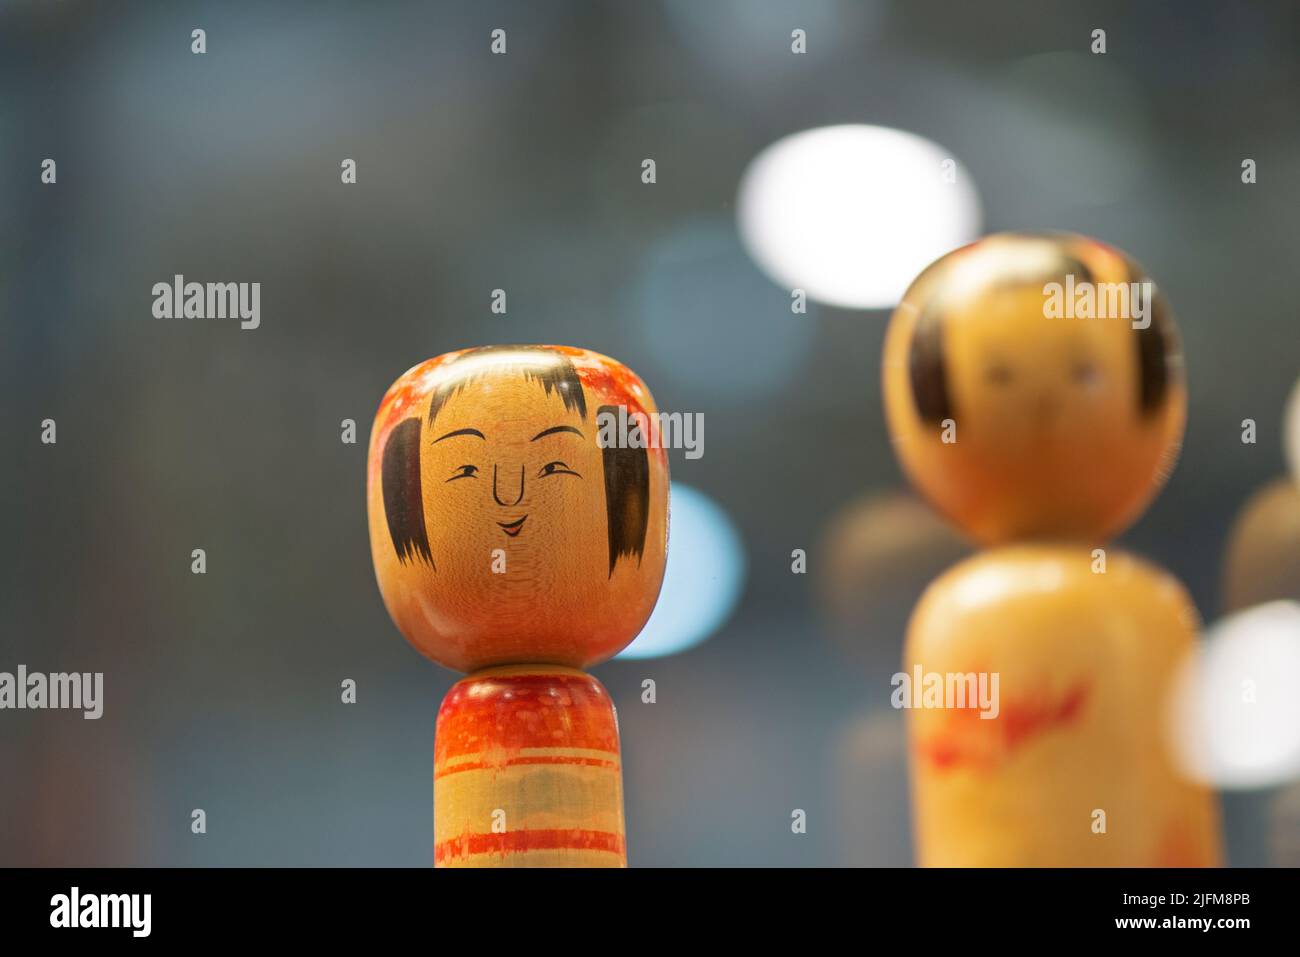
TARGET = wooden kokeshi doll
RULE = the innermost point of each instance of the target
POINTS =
(1262, 562)
(520, 536)
(1034, 392)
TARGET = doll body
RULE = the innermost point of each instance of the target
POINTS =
(1073, 770)
(526, 771)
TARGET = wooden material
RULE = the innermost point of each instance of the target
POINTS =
(1024, 424)
(1085, 664)
(526, 542)
(1063, 427)
(1262, 561)
(526, 772)
(518, 511)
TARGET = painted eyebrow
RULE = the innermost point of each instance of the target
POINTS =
(556, 428)
(460, 432)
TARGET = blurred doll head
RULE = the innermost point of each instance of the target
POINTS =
(1033, 387)
(501, 530)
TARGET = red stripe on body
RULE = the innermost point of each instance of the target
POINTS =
(541, 839)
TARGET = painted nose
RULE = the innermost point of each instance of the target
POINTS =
(497, 495)
(1048, 408)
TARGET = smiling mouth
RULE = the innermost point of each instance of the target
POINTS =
(512, 528)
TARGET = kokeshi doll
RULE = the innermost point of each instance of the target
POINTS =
(1262, 562)
(518, 503)
(1034, 392)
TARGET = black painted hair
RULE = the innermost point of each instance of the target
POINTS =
(626, 470)
(627, 497)
(553, 371)
(1154, 344)
(925, 366)
(403, 499)
(929, 376)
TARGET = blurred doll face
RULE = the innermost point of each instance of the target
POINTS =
(515, 499)
(1056, 427)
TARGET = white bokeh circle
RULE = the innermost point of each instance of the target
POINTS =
(852, 213)
(1235, 712)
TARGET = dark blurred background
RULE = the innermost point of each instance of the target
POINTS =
(522, 172)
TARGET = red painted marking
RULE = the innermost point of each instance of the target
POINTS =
(402, 401)
(611, 764)
(542, 839)
(407, 393)
(612, 382)
(497, 716)
(982, 743)
(1024, 721)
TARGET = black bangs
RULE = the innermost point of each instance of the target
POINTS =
(929, 377)
(552, 370)
(626, 470)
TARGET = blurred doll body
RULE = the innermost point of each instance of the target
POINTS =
(1073, 768)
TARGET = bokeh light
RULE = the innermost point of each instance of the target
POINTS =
(699, 298)
(852, 213)
(703, 579)
(1236, 716)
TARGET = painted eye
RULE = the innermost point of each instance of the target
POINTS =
(465, 471)
(1085, 373)
(556, 468)
(998, 374)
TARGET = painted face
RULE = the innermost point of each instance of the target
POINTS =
(1022, 412)
(502, 532)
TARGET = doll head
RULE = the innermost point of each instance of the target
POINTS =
(1033, 387)
(502, 528)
